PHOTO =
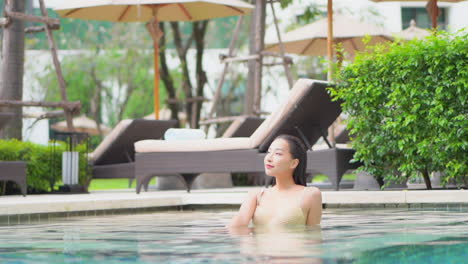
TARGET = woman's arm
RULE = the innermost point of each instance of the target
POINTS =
(313, 201)
(246, 211)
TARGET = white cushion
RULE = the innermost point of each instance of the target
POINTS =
(215, 144)
(184, 134)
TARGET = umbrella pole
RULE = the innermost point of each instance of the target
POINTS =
(435, 14)
(330, 39)
(156, 80)
(331, 129)
(156, 34)
(433, 10)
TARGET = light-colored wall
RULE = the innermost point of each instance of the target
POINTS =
(458, 16)
(35, 62)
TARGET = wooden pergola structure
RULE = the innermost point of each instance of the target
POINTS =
(255, 61)
(69, 108)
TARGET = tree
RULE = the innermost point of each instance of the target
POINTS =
(191, 96)
(180, 92)
(11, 87)
(408, 108)
(107, 80)
(112, 83)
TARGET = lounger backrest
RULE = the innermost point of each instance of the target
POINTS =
(341, 134)
(118, 145)
(243, 126)
(308, 111)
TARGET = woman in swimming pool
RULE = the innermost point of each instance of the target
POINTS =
(289, 201)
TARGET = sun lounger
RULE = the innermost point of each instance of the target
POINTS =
(333, 162)
(114, 157)
(243, 126)
(338, 158)
(342, 137)
(14, 171)
(307, 113)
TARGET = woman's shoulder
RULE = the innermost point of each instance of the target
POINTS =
(311, 195)
(255, 193)
(311, 189)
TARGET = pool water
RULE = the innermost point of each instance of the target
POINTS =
(345, 236)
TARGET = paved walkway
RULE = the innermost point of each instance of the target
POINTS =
(233, 197)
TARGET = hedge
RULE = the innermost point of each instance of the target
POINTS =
(44, 163)
(408, 108)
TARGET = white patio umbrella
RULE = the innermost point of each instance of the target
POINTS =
(413, 32)
(82, 124)
(152, 11)
(431, 6)
(311, 39)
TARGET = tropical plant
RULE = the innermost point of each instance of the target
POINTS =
(115, 71)
(111, 83)
(408, 108)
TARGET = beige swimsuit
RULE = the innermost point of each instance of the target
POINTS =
(289, 213)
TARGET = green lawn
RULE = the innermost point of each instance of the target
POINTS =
(111, 184)
(323, 178)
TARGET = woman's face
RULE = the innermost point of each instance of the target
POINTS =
(279, 160)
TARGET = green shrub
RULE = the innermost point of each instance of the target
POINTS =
(44, 163)
(408, 107)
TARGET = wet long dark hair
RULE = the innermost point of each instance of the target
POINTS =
(298, 151)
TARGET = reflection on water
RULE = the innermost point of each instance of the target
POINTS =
(345, 236)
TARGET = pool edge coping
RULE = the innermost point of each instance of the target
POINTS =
(113, 202)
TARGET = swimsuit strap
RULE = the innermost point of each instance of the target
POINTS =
(302, 197)
(260, 195)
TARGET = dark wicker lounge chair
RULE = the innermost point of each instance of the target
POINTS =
(115, 156)
(12, 170)
(338, 159)
(307, 114)
(342, 137)
(243, 126)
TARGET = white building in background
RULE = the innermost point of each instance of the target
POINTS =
(394, 16)
(391, 15)
(35, 130)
